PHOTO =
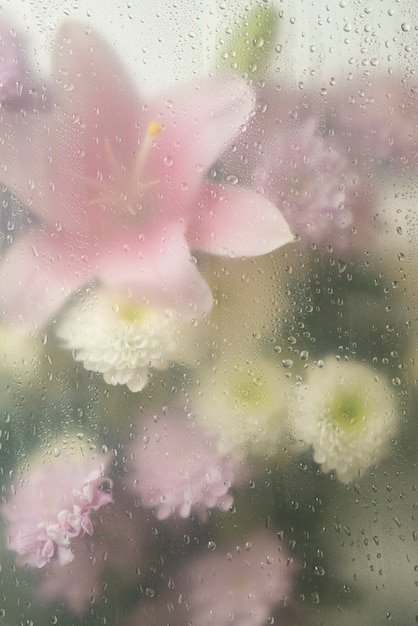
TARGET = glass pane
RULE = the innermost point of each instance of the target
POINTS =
(208, 315)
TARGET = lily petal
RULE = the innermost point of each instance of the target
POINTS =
(36, 277)
(199, 120)
(157, 268)
(234, 221)
(92, 84)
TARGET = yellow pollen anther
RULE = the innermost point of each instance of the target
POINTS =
(154, 128)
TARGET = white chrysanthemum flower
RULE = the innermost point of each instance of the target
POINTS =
(348, 414)
(242, 404)
(121, 338)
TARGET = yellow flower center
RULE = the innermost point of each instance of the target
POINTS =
(347, 411)
(246, 390)
(131, 311)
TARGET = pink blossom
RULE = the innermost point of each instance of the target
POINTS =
(377, 117)
(177, 470)
(116, 548)
(18, 85)
(53, 505)
(76, 583)
(12, 62)
(290, 156)
(120, 187)
(244, 584)
(319, 191)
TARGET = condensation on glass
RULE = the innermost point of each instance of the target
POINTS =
(208, 315)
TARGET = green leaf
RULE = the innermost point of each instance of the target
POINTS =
(246, 45)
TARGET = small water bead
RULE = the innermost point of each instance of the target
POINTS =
(211, 546)
(287, 363)
(258, 41)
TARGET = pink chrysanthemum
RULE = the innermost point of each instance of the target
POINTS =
(244, 584)
(177, 470)
(117, 547)
(54, 505)
(241, 586)
(293, 157)
(308, 176)
(377, 118)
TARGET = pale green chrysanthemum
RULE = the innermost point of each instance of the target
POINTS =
(121, 338)
(242, 404)
(21, 356)
(347, 413)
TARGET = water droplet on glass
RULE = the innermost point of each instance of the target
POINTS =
(258, 41)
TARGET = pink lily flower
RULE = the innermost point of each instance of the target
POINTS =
(121, 188)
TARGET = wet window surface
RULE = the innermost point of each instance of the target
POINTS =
(208, 313)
